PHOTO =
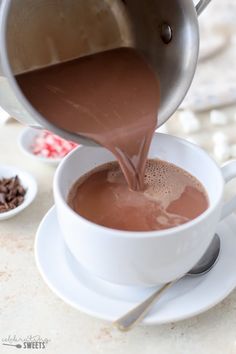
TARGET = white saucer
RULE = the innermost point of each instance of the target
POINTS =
(72, 283)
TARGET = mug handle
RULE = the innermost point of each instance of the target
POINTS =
(229, 172)
(201, 5)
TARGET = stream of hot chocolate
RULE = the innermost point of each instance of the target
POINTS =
(111, 97)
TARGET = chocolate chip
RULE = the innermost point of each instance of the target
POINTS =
(11, 193)
(2, 198)
(12, 205)
(20, 200)
(20, 190)
(3, 189)
(2, 208)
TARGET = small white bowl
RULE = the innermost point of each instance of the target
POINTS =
(25, 142)
(27, 181)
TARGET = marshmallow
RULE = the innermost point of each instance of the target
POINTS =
(222, 152)
(219, 137)
(189, 121)
(233, 151)
(218, 118)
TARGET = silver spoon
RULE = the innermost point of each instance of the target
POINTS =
(135, 315)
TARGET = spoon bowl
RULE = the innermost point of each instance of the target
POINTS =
(204, 265)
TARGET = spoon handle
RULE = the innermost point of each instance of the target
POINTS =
(134, 316)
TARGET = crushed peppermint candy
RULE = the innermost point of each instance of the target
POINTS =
(52, 146)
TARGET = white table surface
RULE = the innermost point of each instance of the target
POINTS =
(28, 307)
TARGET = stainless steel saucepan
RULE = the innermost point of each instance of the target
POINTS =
(38, 33)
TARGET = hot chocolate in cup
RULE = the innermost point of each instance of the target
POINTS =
(151, 257)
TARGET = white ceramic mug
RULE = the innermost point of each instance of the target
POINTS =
(143, 258)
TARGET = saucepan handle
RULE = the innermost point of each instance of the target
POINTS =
(201, 5)
(229, 172)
